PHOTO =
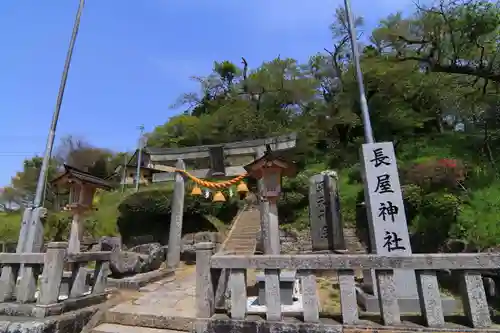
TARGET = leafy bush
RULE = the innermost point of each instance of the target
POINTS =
(148, 213)
(437, 174)
(479, 217)
(437, 213)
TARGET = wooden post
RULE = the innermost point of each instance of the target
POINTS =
(175, 235)
(53, 266)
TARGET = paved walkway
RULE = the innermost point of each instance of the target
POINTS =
(177, 296)
(166, 304)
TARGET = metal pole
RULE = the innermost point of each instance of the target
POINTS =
(365, 114)
(52, 132)
(124, 173)
(139, 158)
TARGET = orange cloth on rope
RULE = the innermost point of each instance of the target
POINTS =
(215, 185)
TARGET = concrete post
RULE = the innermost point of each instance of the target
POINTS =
(24, 230)
(264, 210)
(205, 293)
(273, 228)
(53, 266)
(76, 233)
(34, 235)
(334, 212)
(324, 214)
(175, 235)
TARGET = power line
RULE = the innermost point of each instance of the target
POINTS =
(20, 155)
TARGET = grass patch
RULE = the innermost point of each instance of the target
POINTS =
(10, 224)
(329, 294)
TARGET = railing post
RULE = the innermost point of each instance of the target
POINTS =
(101, 272)
(53, 266)
(474, 300)
(205, 293)
(8, 281)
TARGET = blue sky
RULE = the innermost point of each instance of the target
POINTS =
(134, 58)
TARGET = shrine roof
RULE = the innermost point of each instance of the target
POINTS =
(85, 177)
(279, 159)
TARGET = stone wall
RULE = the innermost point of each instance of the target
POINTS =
(300, 241)
(295, 242)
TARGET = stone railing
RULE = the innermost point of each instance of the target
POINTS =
(9, 247)
(30, 283)
(209, 267)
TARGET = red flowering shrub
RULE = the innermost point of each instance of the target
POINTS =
(436, 174)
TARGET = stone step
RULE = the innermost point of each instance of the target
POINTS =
(243, 237)
(239, 244)
(239, 240)
(117, 328)
(242, 234)
(150, 316)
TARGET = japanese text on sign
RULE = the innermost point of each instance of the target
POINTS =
(385, 198)
(320, 199)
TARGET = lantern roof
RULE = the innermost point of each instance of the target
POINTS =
(270, 160)
(71, 173)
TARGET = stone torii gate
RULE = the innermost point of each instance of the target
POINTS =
(211, 161)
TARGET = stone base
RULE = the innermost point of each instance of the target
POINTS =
(369, 303)
(294, 309)
(223, 324)
(287, 282)
(70, 322)
(64, 305)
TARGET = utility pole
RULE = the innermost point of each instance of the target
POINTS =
(139, 158)
(31, 231)
(52, 132)
(124, 173)
(365, 113)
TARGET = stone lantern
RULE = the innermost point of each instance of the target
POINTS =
(270, 168)
(80, 186)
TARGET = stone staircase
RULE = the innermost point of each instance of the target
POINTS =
(352, 242)
(242, 239)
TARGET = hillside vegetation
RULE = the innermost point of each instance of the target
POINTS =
(432, 82)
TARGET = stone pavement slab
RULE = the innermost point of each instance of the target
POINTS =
(167, 305)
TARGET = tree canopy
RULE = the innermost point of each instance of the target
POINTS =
(432, 86)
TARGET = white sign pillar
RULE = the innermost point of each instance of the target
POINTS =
(385, 210)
